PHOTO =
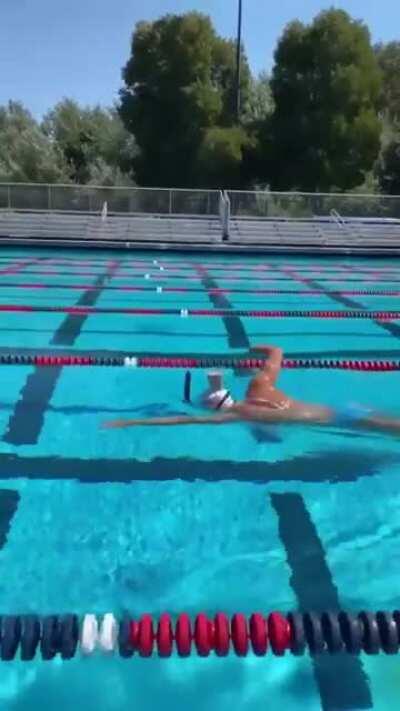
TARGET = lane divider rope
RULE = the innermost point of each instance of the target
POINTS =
(152, 276)
(259, 266)
(254, 313)
(183, 289)
(133, 361)
(183, 266)
(295, 633)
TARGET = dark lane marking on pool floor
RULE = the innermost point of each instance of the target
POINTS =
(327, 466)
(235, 331)
(26, 422)
(341, 680)
(311, 579)
(150, 409)
(9, 500)
(332, 295)
(70, 328)
(389, 327)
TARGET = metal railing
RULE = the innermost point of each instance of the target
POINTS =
(349, 228)
(296, 205)
(88, 198)
(224, 214)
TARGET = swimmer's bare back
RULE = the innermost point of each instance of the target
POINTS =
(265, 403)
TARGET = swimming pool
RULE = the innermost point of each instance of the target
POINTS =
(183, 519)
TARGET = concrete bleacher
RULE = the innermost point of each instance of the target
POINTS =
(352, 235)
(332, 234)
(69, 229)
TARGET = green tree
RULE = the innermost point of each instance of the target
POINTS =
(388, 167)
(179, 84)
(93, 141)
(325, 131)
(26, 154)
(224, 78)
(256, 118)
(259, 104)
(388, 56)
(221, 156)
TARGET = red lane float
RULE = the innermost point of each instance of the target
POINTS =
(204, 635)
(137, 361)
(328, 633)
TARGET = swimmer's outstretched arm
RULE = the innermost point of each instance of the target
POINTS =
(220, 418)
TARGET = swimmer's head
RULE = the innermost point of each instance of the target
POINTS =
(218, 400)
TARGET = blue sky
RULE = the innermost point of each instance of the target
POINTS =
(50, 49)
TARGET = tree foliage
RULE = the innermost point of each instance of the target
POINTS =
(325, 85)
(93, 141)
(220, 156)
(224, 79)
(327, 119)
(26, 155)
(179, 84)
(258, 104)
(388, 167)
(388, 56)
(72, 144)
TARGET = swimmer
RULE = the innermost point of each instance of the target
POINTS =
(264, 403)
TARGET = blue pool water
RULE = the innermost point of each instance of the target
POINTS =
(188, 519)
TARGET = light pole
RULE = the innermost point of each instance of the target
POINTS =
(238, 61)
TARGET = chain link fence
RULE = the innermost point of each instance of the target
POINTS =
(74, 198)
(309, 205)
(164, 201)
